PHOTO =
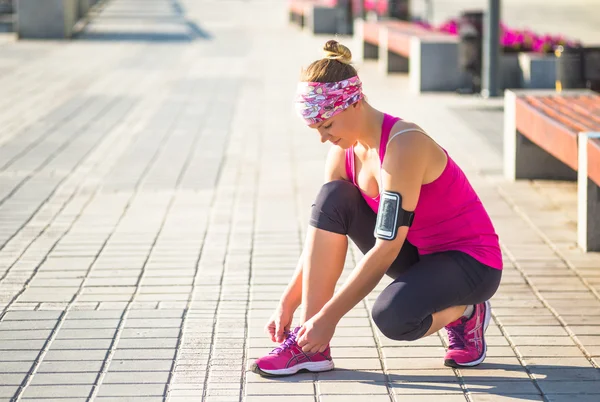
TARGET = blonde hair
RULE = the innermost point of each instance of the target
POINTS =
(334, 66)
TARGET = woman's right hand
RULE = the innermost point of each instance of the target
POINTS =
(279, 324)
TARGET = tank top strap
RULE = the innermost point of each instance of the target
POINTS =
(386, 128)
(350, 164)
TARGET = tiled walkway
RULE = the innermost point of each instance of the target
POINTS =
(154, 191)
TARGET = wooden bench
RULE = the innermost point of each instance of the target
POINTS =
(430, 57)
(556, 135)
(319, 16)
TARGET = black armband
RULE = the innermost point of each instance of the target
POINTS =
(391, 216)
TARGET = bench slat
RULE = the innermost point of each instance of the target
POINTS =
(549, 134)
(371, 33)
(585, 106)
(566, 115)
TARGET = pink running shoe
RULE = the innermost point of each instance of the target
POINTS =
(288, 359)
(466, 338)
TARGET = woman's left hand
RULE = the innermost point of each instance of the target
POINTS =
(315, 334)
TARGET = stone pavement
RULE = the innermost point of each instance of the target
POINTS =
(154, 191)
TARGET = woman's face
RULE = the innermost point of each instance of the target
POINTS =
(341, 129)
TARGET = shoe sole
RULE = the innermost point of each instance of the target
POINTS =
(313, 367)
(486, 323)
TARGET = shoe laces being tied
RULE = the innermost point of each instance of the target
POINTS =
(288, 343)
(455, 336)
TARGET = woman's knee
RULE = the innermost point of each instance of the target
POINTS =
(333, 205)
(399, 323)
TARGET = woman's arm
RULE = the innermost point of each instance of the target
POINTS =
(402, 172)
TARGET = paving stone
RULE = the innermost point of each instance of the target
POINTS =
(129, 398)
(407, 363)
(352, 388)
(555, 362)
(572, 398)
(75, 354)
(150, 333)
(64, 366)
(542, 341)
(415, 388)
(85, 334)
(67, 378)
(29, 344)
(27, 325)
(138, 377)
(143, 354)
(569, 387)
(414, 351)
(440, 375)
(15, 366)
(131, 390)
(149, 343)
(8, 391)
(566, 374)
(346, 398)
(547, 351)
(12, 379)
(50, 391)
(31, 315)
(513, 386)
(504, 398)
(90, 324)
(18, 355)
(140, 365)
(589, 340)
(84, 344)
(300, 388)
(152, 323)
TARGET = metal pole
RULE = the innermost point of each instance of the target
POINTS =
(429, 11)
(491, 50)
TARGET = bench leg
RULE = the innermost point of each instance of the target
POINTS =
(393, 63)
(390, 62)
(370, 51)
(362, 50)
(296, 18)
(588, 200)
(524, 159)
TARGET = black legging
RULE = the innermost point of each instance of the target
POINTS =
(422, 285)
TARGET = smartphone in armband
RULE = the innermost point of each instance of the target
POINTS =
(391, 216)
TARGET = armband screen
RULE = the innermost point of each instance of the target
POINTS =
(391, 216)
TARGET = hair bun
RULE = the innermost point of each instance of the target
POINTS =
(336, 51)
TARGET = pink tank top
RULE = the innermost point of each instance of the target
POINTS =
(449, 214)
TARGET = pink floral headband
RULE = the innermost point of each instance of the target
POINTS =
(318, 101)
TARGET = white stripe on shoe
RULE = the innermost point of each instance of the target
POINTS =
(486, 322)
(310, 366)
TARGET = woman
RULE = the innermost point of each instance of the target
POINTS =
(411, 211)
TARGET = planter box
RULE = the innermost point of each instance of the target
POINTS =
(510, 71)
(433, 65)
(537, 70)
(46, 19)
(527, 70)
